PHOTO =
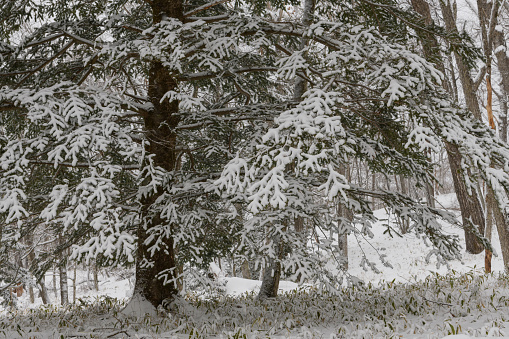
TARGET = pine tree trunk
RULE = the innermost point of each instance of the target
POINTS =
(246, 272)
(159, 124)
(272, 274)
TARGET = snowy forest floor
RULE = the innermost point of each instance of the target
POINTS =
(414, 299)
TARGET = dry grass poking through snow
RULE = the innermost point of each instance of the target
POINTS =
(473, 304)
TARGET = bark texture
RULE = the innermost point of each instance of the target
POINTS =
(500, 48)
(493, 40)
(272, 274)
(159, 124)
(471, 209)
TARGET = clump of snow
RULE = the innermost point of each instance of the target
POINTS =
(138, 306)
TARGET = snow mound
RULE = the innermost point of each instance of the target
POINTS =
(138, 306)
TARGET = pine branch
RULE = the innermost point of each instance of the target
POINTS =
(44, 64)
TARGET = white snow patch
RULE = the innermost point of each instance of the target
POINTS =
(138, 306)
(238, 286)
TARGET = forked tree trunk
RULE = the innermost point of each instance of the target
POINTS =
(159, 125)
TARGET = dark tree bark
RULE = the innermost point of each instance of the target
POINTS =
(494, 41)
(472, 213)
(159, 124)
(471, 210)
(272, 274)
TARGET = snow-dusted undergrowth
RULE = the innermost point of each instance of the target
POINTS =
(471, 303)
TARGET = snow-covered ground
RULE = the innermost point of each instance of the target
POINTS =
(409, 300)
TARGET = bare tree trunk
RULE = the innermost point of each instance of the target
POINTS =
(471, 210)
(30, 259)
(64, 289)
(430, 191)
(246, 272)
(74, 285)
(43, 291)
(96, 278)
(31, 294)
(502, 222)
(55, 283)
(234, 268)
(493, 39)
(469, 87)
(272, 274)
(373, 186)
(490, 207)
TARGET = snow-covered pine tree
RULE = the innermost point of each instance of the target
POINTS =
(371, 98)
(117, 116)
